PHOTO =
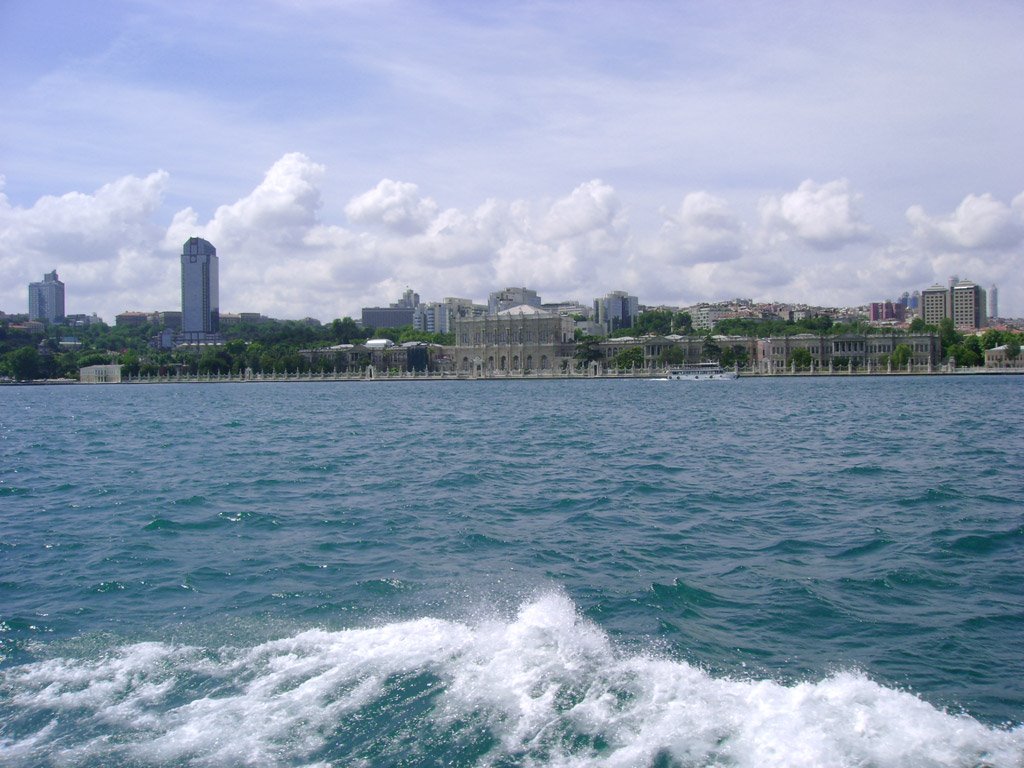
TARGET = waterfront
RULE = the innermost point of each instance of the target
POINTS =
(778, 571)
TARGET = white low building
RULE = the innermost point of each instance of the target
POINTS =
(100, 374)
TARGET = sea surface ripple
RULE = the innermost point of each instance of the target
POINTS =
(816, 571)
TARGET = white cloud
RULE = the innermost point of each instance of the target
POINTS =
(824, 216)
(277, 256)
(980, 221)
(84, 227)
(704, 229)
(395, 205)
(99, 243)
(591, 207)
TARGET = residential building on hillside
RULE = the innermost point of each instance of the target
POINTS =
(522, 338)
(512, 297)
(228, 320)
(46, 299)
(431, 317)
(887, 312)
(704, 316)
(568, 308)
(437, 317)
(82, 320)
(131, 319)
(168, 318)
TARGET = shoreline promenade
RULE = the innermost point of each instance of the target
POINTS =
(385, 376)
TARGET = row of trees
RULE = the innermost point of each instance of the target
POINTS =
(266, 346)
(274, 345)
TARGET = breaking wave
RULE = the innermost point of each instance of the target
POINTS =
(546, 688)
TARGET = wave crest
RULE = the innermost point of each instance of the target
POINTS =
(544, 688)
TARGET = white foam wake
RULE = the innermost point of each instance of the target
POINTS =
(547, 688)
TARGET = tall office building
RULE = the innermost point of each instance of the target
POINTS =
(46, 299)
(616, 310)
(934, 304)
(993, 302)
(200, 296)
(967, 305)
(964, 302)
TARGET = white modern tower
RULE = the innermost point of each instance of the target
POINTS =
(200, 299)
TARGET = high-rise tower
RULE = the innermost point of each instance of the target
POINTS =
(46, 299)
(200, 297)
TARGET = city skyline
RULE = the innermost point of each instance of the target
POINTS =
(826, 155)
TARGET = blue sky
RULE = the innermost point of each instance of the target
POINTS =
(337, 152)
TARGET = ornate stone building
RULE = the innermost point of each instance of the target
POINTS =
(516, 340)
(860, 350)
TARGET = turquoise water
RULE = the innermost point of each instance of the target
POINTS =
(769, 572)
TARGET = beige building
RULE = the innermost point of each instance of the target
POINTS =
(968, 305)
(998, 357)
(862, 350)
(517, 340)
(100, 374)
(963, 301)
(693, 348)
(934, 304)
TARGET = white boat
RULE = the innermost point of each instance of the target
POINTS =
(700, 372)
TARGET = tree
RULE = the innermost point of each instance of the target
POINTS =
(587, 350)
(901, 355)
(343, 330)
(917, 325)
(682, 323)
(973, 344)
(655, 321)
(1013, 348)
(965, 356)
(710, 350)
(214, 360)
(948, 335)
(991, 338)
(630, 358)
(801, 356)
(737, 354)
(130, 363)
(816, 324)
(672, 356)
(23, 363)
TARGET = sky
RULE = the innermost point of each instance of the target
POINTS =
(337, 152)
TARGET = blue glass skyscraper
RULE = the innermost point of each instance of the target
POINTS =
(200, 298)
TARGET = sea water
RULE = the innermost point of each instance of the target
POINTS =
(764, 572)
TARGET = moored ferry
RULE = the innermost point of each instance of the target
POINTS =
(701, 372)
